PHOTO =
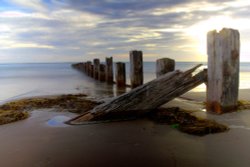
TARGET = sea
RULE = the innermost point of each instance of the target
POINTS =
(40, 79)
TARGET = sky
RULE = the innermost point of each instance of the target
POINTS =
(81, 30)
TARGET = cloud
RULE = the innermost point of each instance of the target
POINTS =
(37, 5)
(75, 29)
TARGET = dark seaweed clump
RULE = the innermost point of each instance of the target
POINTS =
(17, 110)
(185, 122)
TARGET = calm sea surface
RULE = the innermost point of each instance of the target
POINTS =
(25, 80)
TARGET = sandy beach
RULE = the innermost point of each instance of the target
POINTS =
(112, 83)
(43, 140)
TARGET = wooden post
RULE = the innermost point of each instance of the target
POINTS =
(85, 67)
(92, 70)
(164, 66)
(88, 67)
(223, 70)
(80, 67)
(96, 68)
(109, 70)
(101, 73)
(145, 98)
(120, 74)
(136, 68)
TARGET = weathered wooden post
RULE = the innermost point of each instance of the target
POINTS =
(136, 68)
(96, 68)
(120, 75)
(88, 67)
(164, 66)
(80, 67)
(223, 50)
(92, 70)
(109, 70)
(101, 73)
(145, 98)
(85, 67)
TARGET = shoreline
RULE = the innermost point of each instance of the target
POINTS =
(128, 143)
(183, 108)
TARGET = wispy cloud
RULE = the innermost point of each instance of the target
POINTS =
(29, 4)
(77, 30)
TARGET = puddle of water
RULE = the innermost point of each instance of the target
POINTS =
(58, 121)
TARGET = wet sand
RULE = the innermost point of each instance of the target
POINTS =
(36, 142)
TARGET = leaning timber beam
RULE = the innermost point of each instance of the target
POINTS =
(148, 96)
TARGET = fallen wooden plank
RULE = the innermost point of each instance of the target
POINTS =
(148, 96)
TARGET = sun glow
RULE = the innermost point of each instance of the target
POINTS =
(198, 32)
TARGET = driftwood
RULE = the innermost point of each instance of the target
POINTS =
(146, 97)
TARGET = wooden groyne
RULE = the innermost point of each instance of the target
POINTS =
(147, 97)
(222, 78)
(104, 72)
(115, 73)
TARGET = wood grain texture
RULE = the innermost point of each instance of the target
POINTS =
(101, 73)
(164, 66)
(88, 68)
(148, 96)
(223, 50)
(96, 68)
(109, 70)
(120, 74)
(136, 68)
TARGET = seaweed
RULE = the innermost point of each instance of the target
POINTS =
(243, 105)
(185, 122)
(178, 118)
(18, 110)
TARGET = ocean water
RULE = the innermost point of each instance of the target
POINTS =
(26, 80)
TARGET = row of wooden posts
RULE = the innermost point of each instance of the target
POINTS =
(104, 72)
(222, 73)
